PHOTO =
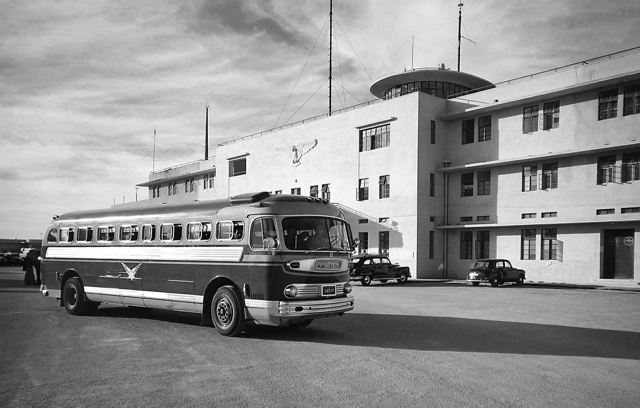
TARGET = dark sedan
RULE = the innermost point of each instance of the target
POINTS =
(496, 272)
(367, 268)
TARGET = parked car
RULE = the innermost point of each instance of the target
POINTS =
(496, 272)
(367, 268)
(10, 259)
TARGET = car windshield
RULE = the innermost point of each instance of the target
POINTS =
(481, 265)
(316, 233)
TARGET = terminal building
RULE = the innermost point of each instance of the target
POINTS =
(445, 168)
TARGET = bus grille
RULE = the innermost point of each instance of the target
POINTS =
(306, 290)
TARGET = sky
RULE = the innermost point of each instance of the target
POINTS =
(84, 84)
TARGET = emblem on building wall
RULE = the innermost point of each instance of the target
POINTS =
(296, 151)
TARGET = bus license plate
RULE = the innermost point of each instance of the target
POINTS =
(328, 290)
(328, 265)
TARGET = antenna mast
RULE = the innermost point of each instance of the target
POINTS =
(330, 50)
(153, 164)
(206, 133)
(459, 32)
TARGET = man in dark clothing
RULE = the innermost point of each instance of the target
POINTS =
(27, 267)
(36, 265)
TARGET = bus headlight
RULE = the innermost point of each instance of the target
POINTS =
(347, 288)
(291, 291)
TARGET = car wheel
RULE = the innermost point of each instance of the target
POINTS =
(383, 280)
(226, 312)
(475, 283)
(403, 278)
(520, 280)
(494, 282)
(73, 297)
(366, 280)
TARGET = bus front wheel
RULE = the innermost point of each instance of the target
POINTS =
(73, 297)
(226, 312)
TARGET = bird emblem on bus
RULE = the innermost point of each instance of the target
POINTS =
(295, 152)
(131, 272)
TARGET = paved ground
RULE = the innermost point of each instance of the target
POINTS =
(435, 344)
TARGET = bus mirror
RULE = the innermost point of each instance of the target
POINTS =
(354, 244)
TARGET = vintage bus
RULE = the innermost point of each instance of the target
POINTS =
(260, 258)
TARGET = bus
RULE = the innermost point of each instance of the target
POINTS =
(253, 258)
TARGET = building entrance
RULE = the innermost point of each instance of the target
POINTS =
(618, 254)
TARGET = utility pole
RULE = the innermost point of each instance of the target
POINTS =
(206, 133)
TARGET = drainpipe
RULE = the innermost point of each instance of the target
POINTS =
(445, 247)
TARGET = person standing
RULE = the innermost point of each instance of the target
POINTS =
(36, 265)
(27, 267)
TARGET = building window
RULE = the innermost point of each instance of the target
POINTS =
(551, 112)
(466, 218)
(484, 183)
(295, 191)
(277, 192)
(466, 245)
(384, 242)
(363, 245)
(608, 104)
(172, 188)
(528, 244)
(482, 244)
(631, 104)
(606, 211)
(237, 167)
(432, 236)
(362, 193)
(155, 191)
(384, 186)
(432, 184)
(630, 210)
(483, 218)
(549, 244)
(466, 182)
(375, 138)
(208, 180)
(630, 167)
(313, 191)
(189, 185)
(326, 194)
(484, 128)
(467, 131)
(529, 178)
(550, 214)
(363, 221)
(530, 119)
(529, 215)
(549, 176)
(606, 166)
(433, 132)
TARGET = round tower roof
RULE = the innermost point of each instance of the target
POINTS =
(379, 87)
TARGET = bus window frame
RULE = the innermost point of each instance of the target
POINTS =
(110, 231)
(133, 234)
(205, 227)
(152, 229)
(52, 236)
(69, 236)
(234, 224)
(88, 234)
(175, 227)
(262, 247)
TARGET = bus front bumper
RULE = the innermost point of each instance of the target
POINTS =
(277, 313)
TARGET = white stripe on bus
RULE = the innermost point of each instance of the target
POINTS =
(142, 294)
(204, 253)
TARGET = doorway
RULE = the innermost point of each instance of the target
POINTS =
(618, 254)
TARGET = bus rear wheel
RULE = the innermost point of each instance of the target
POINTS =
(226, 312)
(73, 298)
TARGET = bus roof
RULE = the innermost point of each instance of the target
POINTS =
(244, 204)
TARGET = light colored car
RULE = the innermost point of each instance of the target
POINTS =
(496, 272)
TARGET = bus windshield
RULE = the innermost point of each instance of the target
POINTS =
(315, 234)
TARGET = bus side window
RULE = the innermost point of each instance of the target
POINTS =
(261, 229)
(256, 234)
(148, 232)
(166, 232)
(66, 234)
(53, 235)
(206, 231)
(194, 231)
(226, 230)
(106, 234)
